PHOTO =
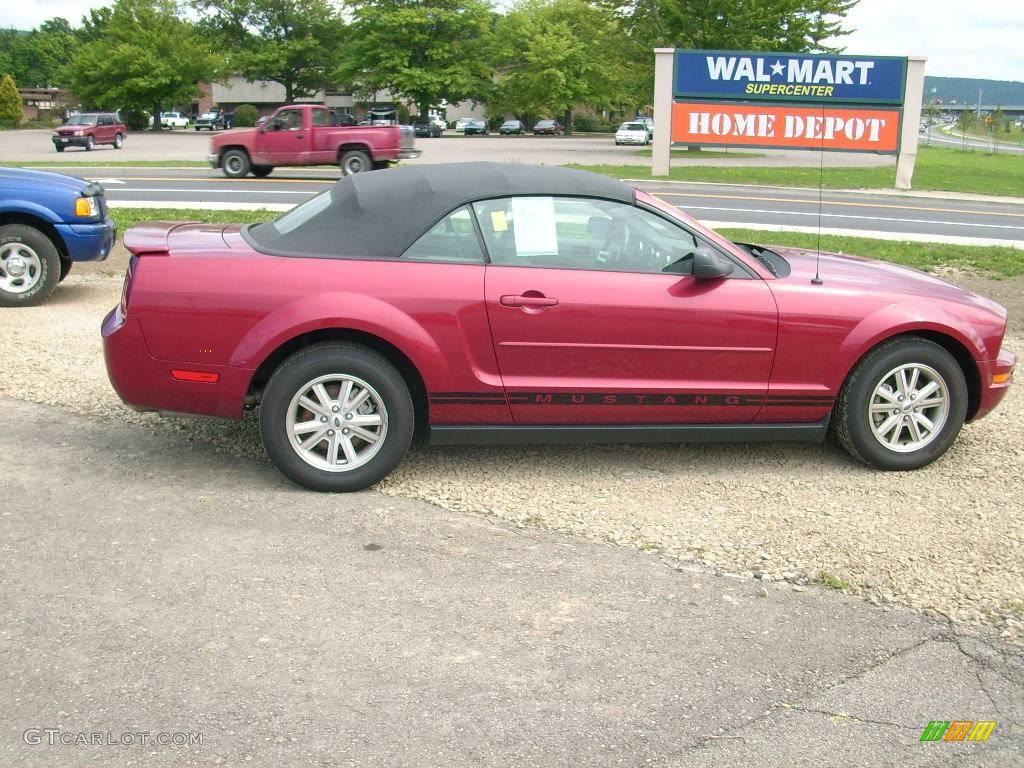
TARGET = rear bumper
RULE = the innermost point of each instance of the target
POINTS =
(213, 160)
(996, 378)
(88, 242)
(146, 384)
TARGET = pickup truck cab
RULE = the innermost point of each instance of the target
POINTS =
(305, 134)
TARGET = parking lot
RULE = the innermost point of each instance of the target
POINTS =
(35, 146)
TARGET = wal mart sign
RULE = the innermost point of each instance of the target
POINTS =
(819, 78)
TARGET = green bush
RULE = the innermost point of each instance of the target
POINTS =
(590, 124)
(245, 116)
(136, 119)
(10, 103)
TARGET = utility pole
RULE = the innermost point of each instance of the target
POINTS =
(979, 102)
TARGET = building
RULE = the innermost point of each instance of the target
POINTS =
(44, 103)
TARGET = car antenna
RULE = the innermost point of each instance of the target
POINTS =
(816, 280)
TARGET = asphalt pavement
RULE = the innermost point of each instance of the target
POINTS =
(156, 586)
(897, 215)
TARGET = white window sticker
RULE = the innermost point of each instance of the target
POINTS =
(534, 220)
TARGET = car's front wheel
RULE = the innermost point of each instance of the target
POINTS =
(118, 141)
(30, 266)
(90, 144)
(903, 405)
(336, 417)
(235, 163)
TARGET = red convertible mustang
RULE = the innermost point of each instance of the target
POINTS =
(485, 303)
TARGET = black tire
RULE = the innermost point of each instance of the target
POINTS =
(852, 421)
(65, 269)
(118, 141)
(235, 164)
(336, 358)
(45, 274)
(90, 144)
(197, 129)
(262, 171)
(59, 147)
(355, 161)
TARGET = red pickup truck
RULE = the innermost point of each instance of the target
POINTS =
(305, 134)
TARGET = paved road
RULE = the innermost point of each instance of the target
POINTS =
(160, 586)
(942, 139)
(720, 205)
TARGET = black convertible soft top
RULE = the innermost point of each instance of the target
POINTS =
(380, 214)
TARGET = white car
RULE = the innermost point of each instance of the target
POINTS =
(173, 120)
(632, 133)
(462, 122)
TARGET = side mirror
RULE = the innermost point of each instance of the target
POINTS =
(709, 264)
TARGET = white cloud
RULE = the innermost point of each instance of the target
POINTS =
(961, 39)
(29, 14)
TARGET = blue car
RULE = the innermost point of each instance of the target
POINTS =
(48, 221)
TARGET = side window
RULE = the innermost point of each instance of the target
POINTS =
(288, 120)
(322, 118)
(583, 233)
(453, 239)
(105, 120)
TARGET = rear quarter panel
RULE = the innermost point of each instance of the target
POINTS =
(223, 309)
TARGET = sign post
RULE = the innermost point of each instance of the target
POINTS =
(664, 67)
(911, 120)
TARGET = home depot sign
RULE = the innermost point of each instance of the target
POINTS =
(769, 125)
(744, 99)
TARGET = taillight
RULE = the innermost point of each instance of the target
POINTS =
(126, 289)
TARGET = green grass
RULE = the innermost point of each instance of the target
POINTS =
(106, 164)
(938, 169)
(129, 217)
(995, 261)
(704, 154)
(834, 582)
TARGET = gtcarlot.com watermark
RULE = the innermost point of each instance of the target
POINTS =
(57, 736)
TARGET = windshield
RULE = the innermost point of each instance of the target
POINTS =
(82, 120)
(632, 127)
(546, 123)
(209, 115)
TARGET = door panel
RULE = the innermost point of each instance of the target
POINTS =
(630, 348)
(284, 140)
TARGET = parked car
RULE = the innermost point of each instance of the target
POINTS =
(173, 120)
(48, 221)
(632, 133)
(212, 121)
(305, 134)
(647, 121)
(90, 129)
(462, 122)
(548, 128)
(476, 128)
(512, 126)
(427, 129)
(524, 304)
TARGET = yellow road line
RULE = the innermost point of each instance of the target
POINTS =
(837, 203)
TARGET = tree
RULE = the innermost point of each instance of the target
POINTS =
(10, 103)
(557, 54)
(291, 42)
(145, 56)
(426, 51)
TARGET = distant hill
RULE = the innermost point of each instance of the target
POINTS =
(964, 90)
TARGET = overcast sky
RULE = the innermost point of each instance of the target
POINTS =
(961, 39)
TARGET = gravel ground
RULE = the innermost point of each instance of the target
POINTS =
(948, 539)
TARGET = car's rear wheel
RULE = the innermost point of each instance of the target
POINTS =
(59, 147)
(903, 405)
(118, 141)
(262, 171)
(355, 161)
(336, 417)
(235, 164)
(90, 144)
(30, 266)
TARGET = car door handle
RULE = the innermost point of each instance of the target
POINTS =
(528, 300)
(300, 137)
